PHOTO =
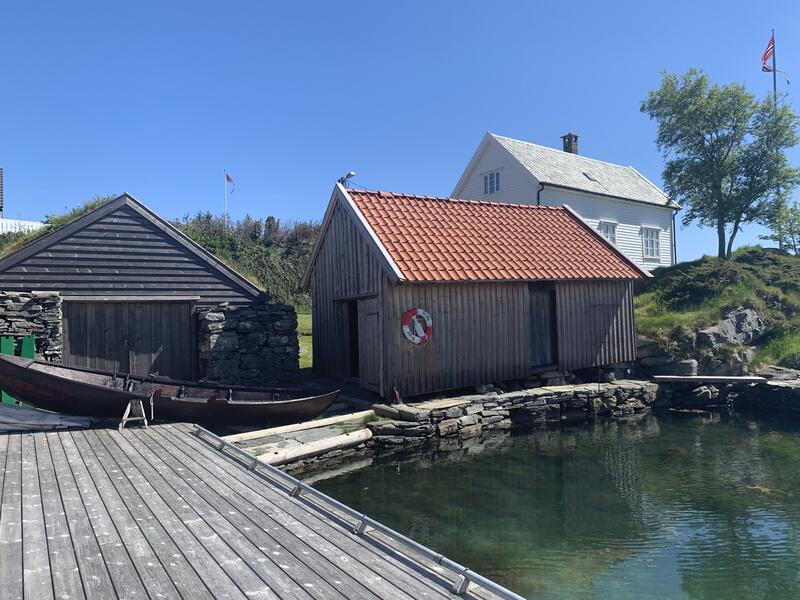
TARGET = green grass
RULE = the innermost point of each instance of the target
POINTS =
(783, 349)
(693, 295)
(304, 335)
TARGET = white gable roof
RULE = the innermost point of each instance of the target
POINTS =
(559, 168)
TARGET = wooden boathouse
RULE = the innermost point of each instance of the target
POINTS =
(130, 285)
(421, 294)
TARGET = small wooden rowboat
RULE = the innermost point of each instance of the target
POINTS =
(75, 391)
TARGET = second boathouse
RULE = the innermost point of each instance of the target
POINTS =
(417, 294)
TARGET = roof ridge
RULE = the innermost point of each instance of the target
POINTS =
(386, 194)
(561, 152)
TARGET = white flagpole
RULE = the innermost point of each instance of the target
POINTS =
(225, 194)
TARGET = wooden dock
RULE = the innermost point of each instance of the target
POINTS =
(162, 513)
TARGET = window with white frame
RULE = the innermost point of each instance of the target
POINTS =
(651, 248)
(491, 182)
(608, 230)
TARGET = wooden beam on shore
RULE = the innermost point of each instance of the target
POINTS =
(338, 442)
(709, 379)
(254, 435)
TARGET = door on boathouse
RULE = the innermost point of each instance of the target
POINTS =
(139, 337)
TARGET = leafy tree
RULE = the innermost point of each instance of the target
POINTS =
(724, 152)
(786, 228)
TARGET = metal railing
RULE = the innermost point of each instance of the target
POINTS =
(297, 488)
(15, 225)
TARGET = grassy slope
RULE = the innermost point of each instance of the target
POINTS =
(696, 294)
(304, 334)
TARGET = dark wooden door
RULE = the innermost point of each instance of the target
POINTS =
(544, 342)
(134, 337)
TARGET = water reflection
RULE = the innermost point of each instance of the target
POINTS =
(674, 506)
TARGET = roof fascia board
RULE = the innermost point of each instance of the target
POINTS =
(192, 246)
(645, 274)
(670, 202)
(609, 196)
(59, 234)
(394, 272)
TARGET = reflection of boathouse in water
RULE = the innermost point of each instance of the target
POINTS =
(420, 294)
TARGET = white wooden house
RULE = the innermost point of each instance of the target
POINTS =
(618, 201)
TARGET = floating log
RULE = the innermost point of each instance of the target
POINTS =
(338, 442)
(254, 435)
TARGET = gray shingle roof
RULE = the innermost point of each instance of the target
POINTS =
(556, 167)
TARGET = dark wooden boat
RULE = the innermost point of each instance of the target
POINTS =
(75, 391)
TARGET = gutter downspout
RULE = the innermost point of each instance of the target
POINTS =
(539, 193)
(674, 244)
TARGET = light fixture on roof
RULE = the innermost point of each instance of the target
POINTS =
(343, 180)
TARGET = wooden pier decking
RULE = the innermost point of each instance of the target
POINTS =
(161, 513)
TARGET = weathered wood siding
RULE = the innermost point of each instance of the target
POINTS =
(481, 334)
(347, 268)
(595, 323)
(122, 254)
(131, 337)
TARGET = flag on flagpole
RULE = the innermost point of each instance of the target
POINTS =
(769, 53)
(767, 56)
(230, 180)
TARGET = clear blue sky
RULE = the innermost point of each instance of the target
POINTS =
(156, 98)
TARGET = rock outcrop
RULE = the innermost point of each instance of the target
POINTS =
(741, 327)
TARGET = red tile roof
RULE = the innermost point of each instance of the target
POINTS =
(442, 239)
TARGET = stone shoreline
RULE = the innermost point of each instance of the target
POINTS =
(466, 417)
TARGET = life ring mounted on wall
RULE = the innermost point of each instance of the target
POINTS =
(417, 326)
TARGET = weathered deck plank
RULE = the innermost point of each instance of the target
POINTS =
(237, 569)
(296, 515)
(330, 562)
(35, 563)
(217, 580)
(64, 570)
(156, 557)
(159, 513)
(11, 521)
(278, 575)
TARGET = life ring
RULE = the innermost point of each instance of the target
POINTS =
(417, 326)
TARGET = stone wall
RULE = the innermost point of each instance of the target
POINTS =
(255, 345)
(468, 416)
(33, 313)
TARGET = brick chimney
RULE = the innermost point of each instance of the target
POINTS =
(570, 143)
(1, 192)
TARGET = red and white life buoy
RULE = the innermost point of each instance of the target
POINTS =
(417, 326)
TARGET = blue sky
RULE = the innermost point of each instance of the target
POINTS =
(156, 98)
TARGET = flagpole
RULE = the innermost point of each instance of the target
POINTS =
(225, 194)
(774, 72)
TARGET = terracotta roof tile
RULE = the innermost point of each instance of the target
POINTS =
(442, 239)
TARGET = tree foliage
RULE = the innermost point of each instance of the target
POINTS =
(272, 254)
(724, 152)
(786, 228)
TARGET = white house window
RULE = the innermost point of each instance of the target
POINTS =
(491, 182)
(608, 231)
(650, 244)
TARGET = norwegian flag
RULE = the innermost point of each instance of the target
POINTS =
(229, 179)
(769, 54)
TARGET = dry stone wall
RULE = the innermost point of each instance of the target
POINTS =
(254, 345)
(37, 314)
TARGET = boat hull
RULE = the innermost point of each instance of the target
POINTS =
(84, 392)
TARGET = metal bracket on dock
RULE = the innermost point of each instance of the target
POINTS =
(461, 585)
(360, 527)
(296, 490)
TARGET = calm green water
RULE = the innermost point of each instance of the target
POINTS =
(673, 506)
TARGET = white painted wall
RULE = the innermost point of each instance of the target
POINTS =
(14, 225)
(518, 185)
(516, 182)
